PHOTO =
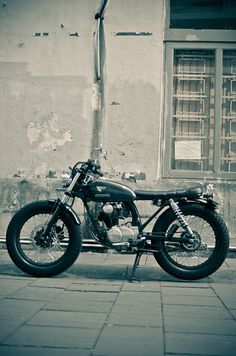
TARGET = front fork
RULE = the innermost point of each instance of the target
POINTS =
(60, 204)
(53, 219)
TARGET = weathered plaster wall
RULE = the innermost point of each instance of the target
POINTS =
(46, 75)
(133, 86)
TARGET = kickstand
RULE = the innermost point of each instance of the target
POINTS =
(136, 263)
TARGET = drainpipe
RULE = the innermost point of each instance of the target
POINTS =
(98, 83)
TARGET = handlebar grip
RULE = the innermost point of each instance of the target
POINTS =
(95, 168)
(92, 164)
(99, 172)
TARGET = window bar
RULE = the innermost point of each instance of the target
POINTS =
(218, 110)
(167, 144)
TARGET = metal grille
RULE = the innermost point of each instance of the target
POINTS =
(228, 125)
(193, 110)
(195, 131)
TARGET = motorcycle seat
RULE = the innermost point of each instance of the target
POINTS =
(189, 193)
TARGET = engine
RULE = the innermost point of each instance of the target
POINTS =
(117, 219)
(122, 233)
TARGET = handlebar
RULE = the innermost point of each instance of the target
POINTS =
(99, 172)
(94, 167)
(85, 167)
(91, 163)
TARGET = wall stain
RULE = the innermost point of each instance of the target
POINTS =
(46, 135)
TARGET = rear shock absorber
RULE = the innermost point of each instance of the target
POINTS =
(180, 216)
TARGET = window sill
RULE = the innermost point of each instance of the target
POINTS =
(189, 35)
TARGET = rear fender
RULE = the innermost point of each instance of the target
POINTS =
(207, 202)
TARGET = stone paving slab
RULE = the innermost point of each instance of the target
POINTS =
(146, 286)
(36, 293)
(192, 300)
(41, 351)
(204, 312)
(82, 301)
(187, 292)
(98, 271)
(29, 335)
(9, 287)
(93, 310)
(55, 282)
(88, 287)
(69, 319)
(8, 327)
(137, 316)
(14, 309)
(128, 340)
(189, 325)
(227, 295)
(200, 344)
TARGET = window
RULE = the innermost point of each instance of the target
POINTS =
(193, 110)
(201, 110)
(200, 89)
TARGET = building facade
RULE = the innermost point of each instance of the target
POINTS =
(153, 81)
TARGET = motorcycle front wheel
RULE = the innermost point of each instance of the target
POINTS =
(39, 255)
(200, 256)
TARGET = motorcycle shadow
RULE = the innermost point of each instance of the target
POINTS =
(121, 273)
(143, 274)
(97, 272)
(118, 273)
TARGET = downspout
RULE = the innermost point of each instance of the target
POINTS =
(98, 83)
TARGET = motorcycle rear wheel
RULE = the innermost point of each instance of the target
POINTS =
(201, 257)
(35, 254)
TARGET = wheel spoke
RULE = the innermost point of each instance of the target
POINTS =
(195, 252)
(40, 249)
(50, 255)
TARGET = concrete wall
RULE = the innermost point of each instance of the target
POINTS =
(46, 84)
(46, 76)
(133, 86)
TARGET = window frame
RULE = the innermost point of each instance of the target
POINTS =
(170, 47)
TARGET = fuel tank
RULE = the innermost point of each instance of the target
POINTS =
(105, 191)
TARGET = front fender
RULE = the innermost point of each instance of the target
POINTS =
(68, 210)
(73, 214)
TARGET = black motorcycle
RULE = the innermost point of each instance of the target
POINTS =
(189, 239)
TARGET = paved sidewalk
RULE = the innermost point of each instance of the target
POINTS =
(92, 309)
